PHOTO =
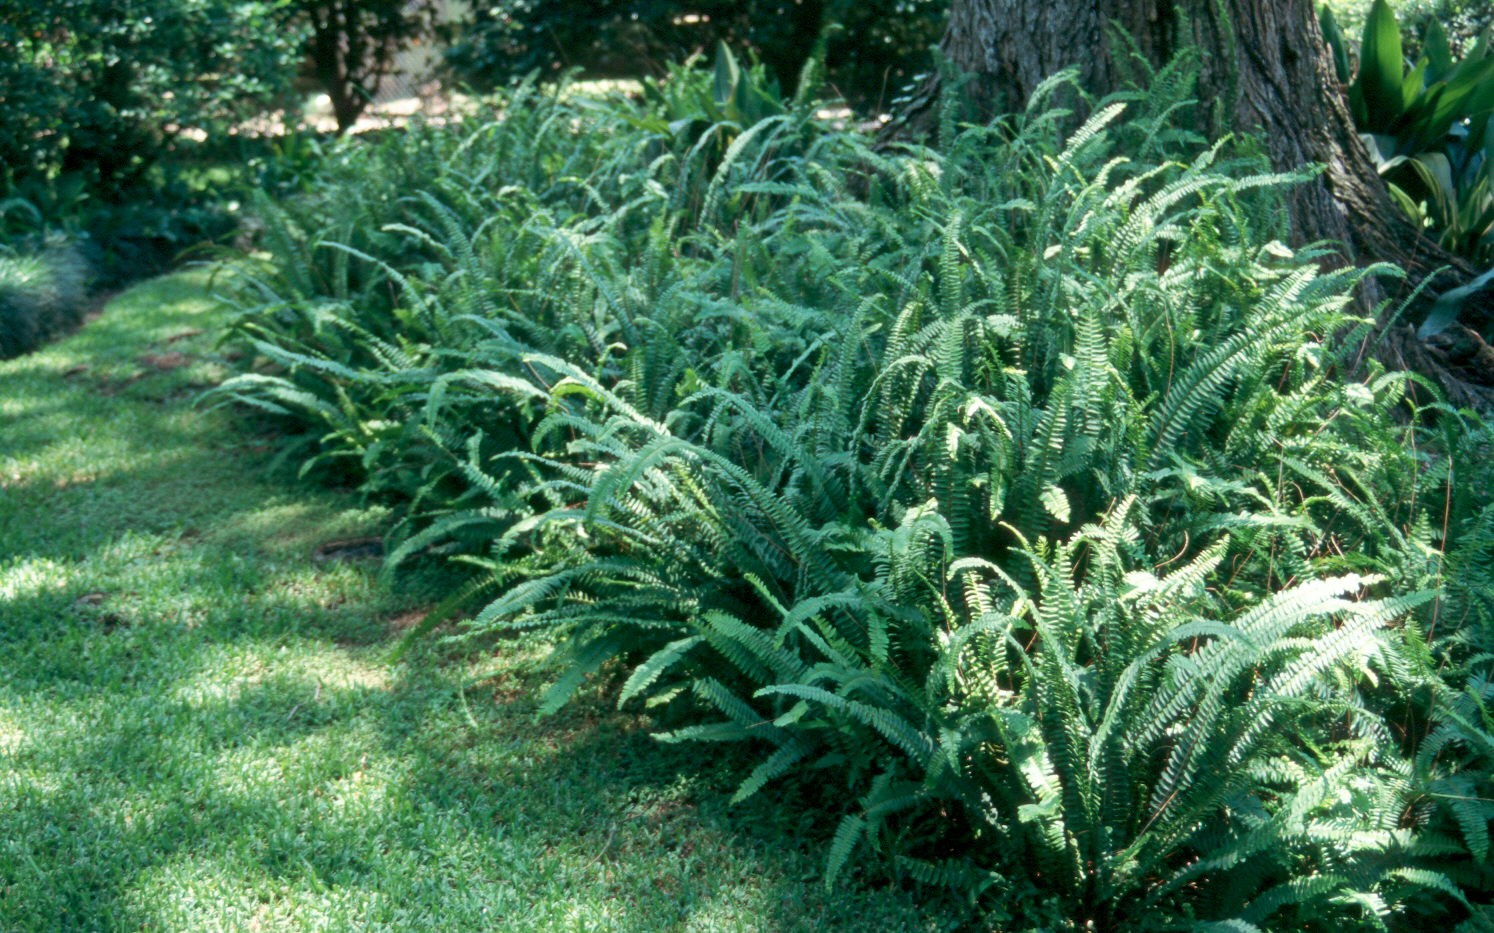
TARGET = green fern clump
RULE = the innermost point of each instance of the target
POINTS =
(1060, 550)
(1013, 487)
(398, 295)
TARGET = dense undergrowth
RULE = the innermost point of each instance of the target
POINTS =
(1013, 487)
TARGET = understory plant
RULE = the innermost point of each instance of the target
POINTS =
(1012, 489)
(1427, 125)
(43, 292)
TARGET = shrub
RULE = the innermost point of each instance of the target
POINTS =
(121, 119)
(878, 50)
(103, 92)
(42, 294)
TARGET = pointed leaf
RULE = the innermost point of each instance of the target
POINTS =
(1381, 68)
(1057, 503)
(1437, 51)
(1448, 305)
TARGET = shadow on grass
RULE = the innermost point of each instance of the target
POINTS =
(260, 755)
(204, 778)
(200, 726)
(655, 820)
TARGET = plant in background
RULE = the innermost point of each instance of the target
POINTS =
(883, 45)
(43, 293)
(121, 119)
(706, 112)
(1463, 20)
(105, 92)
(130, 125)
(690, 102)
(1427, 125)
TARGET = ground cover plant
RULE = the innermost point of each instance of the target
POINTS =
(43, 291)
(1020, 487)
(200, 727)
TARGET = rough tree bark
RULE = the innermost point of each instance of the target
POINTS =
(1265, 69)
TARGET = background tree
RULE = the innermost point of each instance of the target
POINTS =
(124, 118)
(353, 44)
(99, 91)
(1264, 69)
(882, 46)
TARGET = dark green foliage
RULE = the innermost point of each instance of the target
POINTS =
(120, 117)
(1010, 490)
(1464, 21)
(133, 124)
(877, 50)
(97, 94)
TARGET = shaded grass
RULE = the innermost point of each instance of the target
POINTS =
(200, 727)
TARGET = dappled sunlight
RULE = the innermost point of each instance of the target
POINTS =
(200, 727)
(287, 527)
(30, 578)
(50, 452)
(232, 891)
(16, 402)
(887, 466)
(12, 736)
(325, 772)
(228, 672)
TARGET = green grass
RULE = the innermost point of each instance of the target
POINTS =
(201, 728)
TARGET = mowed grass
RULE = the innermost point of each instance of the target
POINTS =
(201, 727)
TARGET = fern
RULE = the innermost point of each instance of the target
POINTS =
(1011, 485)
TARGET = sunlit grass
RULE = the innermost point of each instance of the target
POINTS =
(200, 728)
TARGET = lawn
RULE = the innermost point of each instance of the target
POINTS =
(202, 727)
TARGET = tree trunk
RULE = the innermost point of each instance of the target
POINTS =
(332, 63)
(1264, 70)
